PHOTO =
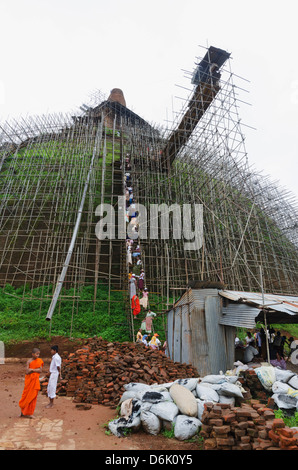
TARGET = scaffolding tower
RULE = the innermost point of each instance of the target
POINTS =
(57, 169)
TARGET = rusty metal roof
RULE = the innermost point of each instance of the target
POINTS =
(281, 303)
(246, 307)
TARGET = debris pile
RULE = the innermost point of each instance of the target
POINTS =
(248, 427)
(219, 408)
(176, 406)
(271, 384)
(98, 371)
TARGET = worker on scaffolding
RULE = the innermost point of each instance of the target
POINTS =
(132, 286)
(154, 343)
(139, 336)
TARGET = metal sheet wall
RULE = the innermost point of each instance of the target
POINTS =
(177, 339)
(239, 315)
(186, 349)
(170, 318)
(195, 334)
(200, 350)
(215, 336)
(230, 332)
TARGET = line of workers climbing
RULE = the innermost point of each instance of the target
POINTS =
(139, 295)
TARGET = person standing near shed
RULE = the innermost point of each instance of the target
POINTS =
(55, 371)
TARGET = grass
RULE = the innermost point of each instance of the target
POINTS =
(25, 320)
(291, 421)
(169, 434)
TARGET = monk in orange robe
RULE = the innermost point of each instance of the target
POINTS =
(135, 305)
(28, 400)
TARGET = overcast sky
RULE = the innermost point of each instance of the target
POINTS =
(54, 53)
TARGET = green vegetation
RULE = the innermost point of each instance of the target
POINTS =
(169, 434)
(26, 320)
(74, 317)
(291, 421)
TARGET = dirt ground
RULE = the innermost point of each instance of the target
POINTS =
(64, 427)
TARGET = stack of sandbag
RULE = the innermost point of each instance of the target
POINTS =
(281, 385)
(285, 389)
(177, 405)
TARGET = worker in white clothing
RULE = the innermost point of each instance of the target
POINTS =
(55, 371)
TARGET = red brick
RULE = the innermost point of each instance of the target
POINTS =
(215, 414)
(224, 406)
(242, 425)
(217, 409)
(215, 422)
(271, 403)
(255, 445)
(260, 420)
(278, 423)
(273, 436)
(288, 447)
(264, 444)
(263, 434)
(251, 424)
(240, 432)
(269, 425)
(210, 444)
(204, 434)
(287, 441)
(229, 417)
(245, 446)
(252, 432)
(243, 413)
(285, 432)
(205, 416)
(268, 414)
(221, 429)
(228, 441)
(257, 406)
(206, 428)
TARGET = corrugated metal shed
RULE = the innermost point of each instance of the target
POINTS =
(246, 308)
(195, 335)
(203, 322)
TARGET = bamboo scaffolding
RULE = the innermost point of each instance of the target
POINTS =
(249, 220)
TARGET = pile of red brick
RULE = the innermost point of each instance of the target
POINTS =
(250, 381)
(97, 372)
(250, 426)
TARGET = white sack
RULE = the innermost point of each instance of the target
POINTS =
(282, 375)
(165, 410)
(186, 427)
(230, 390)
(150, 423)
(207, 393)
(294, 382)
(188, 383)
